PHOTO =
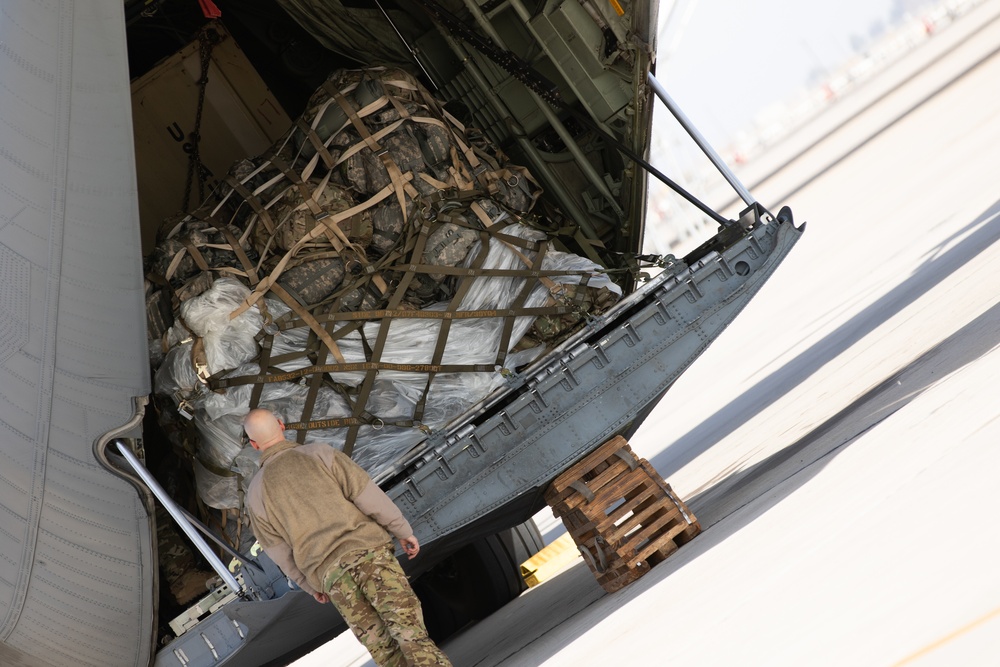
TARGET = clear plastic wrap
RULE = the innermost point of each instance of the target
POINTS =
(228, 342)
(215, 490)
(246, 464)
(176, 376)
(217, 484)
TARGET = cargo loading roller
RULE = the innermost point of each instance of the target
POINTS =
(500, 459)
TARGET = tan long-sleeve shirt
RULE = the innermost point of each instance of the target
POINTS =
(310, 505)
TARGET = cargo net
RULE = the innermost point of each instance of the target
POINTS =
(371, 277)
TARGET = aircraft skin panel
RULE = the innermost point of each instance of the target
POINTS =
(76, 564)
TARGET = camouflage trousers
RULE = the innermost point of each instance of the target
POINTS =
(371, 592)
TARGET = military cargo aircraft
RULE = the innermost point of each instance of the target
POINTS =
(561, 88)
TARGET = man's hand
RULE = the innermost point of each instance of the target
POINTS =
(322, 598)
(411, 547)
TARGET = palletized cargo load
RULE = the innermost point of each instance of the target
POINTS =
(374, 275)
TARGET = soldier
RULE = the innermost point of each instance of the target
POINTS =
(321, 518)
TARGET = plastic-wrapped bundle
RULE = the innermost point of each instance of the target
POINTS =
(474, 340)
(339, 191)
(394, 395)
(218, 486)
(215, 343)
(228, 342)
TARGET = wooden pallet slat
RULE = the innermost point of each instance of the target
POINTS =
(644, 503)
(649, 523)
(664, 541)
(589, 463)
(570, 497)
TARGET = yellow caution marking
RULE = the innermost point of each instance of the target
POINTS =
(550, 561)
(947, 638)
(617, 7)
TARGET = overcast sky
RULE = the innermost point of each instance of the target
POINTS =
(724, 60)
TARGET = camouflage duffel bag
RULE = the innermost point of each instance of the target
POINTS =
(293, 218)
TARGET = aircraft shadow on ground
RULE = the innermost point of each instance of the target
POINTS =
(939, 265)
(801, 460)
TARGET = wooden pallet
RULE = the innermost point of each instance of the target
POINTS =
(623, 517)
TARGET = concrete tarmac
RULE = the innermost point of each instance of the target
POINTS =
(840, 442)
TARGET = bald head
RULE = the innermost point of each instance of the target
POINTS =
(263, 428)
